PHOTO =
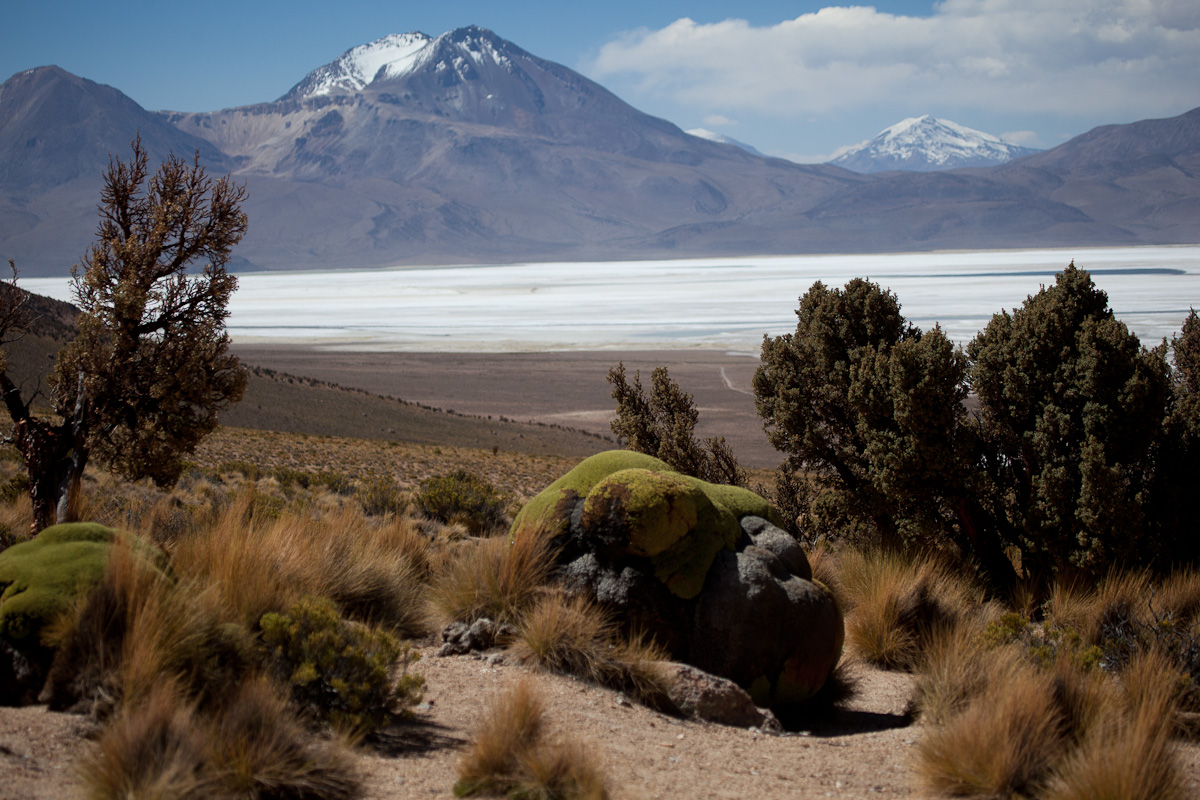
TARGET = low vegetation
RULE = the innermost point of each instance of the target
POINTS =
(513, 755)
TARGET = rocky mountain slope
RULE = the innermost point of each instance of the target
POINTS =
(926, 144)
(464, 148)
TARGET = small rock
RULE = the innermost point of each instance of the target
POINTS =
(698, 695)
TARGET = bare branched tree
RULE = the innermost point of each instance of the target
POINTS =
(144, 381)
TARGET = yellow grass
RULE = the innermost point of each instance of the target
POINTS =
(511, 754)
(1004, 743)
(895, 603)
(574, 636)
(375, 571)
(489, 577)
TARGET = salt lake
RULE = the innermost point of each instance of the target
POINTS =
(721, 303)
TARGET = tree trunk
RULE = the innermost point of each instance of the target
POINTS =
(54, 457)
(979, 530)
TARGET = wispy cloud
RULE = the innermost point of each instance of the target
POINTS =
(1035, 56)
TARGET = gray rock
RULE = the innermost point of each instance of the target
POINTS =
(482, 634)
(702, 696)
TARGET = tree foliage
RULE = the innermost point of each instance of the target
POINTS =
(871, 407)
(1073, 457)
(1073, 408)
(662, 424)
(144, 380)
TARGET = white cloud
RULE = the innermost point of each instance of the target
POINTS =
(719, 120)
(1033, 56)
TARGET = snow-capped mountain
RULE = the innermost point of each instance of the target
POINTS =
(467, 149)
(358, 67)
(927, 144)
(720, 138)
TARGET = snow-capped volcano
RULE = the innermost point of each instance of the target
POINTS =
(926, 144)
(389, 57)
(458, 52)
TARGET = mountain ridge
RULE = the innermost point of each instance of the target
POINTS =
(466, 149)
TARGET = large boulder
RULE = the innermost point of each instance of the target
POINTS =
(703, 568)
(39, 580)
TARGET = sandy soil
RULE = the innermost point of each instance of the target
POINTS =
(564, 388)
(644, 754)
(864, 751)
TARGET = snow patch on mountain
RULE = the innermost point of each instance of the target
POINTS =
(400, 54)
(358, 67)
(926, 144)
(721, 138)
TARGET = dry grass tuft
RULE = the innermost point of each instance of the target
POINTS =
(252, 748)
(258, 749)
(510, 755)
(1004, 743)
(154, 750)
(1125, 756)
(491, 578)
(134, 630)
(575, 636)
(374, 571)
(896, 604)
(957, 668)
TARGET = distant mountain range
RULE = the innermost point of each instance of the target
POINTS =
(926, 144)
(464, 148)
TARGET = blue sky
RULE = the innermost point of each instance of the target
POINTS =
(798, 79)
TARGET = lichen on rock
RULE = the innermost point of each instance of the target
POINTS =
(705, 569)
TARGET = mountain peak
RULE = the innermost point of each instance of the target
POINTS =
(358, 67)
(926, 144)
(399, 54)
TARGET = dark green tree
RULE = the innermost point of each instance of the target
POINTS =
(1176, 537)
(1082, 454)
(143, 382)
(1072, 413)
(872, 410)
(662, 424)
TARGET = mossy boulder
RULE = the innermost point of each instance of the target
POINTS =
(39, 579)
(706, 569)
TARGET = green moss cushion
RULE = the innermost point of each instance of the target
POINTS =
(704, 569)
(677, 521)
(41, 577)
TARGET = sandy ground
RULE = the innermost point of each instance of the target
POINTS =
(861, 753)
(565, 388)
(864, 751)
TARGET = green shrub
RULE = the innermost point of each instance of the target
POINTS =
(250, 471)
(380, 495)
(340, 671)
(289, 476)
(14, 488)
(462, 497)
(336, 482)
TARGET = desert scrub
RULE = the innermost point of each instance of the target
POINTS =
(895, 604)
(14, 488)
(511, 755)
(251, 747)
(341, 672)
(462, 497)
(374, 572)
(491, 578)
(379, 496)
(573, 635)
